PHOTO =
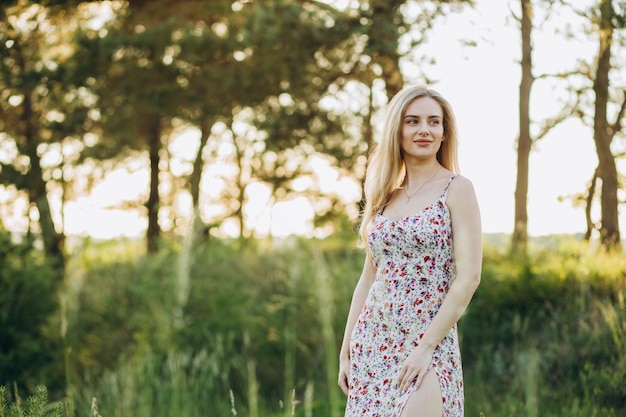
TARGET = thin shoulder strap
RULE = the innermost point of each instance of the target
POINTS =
(444, 195)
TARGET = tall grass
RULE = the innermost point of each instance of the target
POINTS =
(221, 329)
(176, 384)
(543, 338)
(327, 312)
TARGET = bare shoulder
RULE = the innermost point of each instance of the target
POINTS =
(463, 205)
(461, 194)
(461, 187)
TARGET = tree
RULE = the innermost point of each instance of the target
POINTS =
(598, 90)
(524, 142)
(138, 92)
(213, 71)
(297, 50)
(206, 62)
(603, 130)
(44, 108)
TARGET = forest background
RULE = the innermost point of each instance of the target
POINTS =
(206, 126)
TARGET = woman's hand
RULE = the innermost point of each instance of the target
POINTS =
(416, 366)
(344, 372)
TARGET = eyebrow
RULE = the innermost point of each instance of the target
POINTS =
(434, 116)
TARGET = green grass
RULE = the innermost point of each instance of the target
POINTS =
(222, 329)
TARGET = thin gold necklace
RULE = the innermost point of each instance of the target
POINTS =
(409, 197)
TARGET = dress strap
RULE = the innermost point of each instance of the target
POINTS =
(444, 195)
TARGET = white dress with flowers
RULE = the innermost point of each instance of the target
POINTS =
(414, 270)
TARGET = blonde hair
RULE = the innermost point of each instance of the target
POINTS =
(386, 170)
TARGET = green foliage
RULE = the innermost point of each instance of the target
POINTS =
(259, 329)
(36, 405)
(129, 301)
(547, 332)
(42, 108)
(176, 383)
(251, 315)
(28, 301)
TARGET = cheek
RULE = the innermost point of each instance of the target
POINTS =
(408, 130)
(405, 133)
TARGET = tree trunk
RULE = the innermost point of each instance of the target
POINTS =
(35, 184)
(384, 43)
(520, 231)
(609, 229)
(588, 202)
(198, 165)
(240, 186)
(197, 226)
(154, 148)
(37, 193)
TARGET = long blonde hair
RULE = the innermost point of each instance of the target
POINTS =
(386, 170)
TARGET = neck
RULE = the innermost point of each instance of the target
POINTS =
(418, 173)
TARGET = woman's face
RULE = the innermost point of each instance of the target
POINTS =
(422, 129)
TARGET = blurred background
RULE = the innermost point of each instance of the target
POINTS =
(180, 187)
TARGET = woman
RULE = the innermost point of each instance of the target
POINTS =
(400, 355)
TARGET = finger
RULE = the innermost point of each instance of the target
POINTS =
(344, 388)
(415, 376)
(421, 376)
(409, 374)
(343, 383)
(405, 371)
(401, 376)
(406, 381)
(407, 377)
(406, 384)
(419, 380)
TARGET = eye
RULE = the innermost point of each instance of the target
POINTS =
(435, 122)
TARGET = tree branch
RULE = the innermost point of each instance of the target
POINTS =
(617, 126)
(565, 74)
(515, 16)
(551, 123)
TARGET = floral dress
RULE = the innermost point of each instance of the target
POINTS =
(415, 267)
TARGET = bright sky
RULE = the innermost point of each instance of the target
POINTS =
(481, 83)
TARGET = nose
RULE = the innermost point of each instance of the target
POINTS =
(423, 129)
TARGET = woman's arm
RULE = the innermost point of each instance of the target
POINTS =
(358, 299)
(467, 241)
